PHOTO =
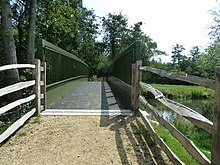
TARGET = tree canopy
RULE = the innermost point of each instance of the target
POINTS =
(98, 41)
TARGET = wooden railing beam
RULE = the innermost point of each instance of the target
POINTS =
(36, 96)
(188, 144)
(180, 109)
(182, 77)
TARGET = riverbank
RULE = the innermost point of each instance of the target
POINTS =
(198, 98)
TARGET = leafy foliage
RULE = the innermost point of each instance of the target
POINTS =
(177, 57)
(115, 28)
(215, 26)
(118, 36)
(71, 27)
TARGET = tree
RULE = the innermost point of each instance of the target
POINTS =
(215, 25)
(88, 48)
(20, 26)
(133, 33)
(2, 58)
(57, 23)
(8, 40)
(194, 53)
(191, 64)
(118, 36)
(31, 31)
(115, 28)
(177, 57)
(70, 26)
(211, 58)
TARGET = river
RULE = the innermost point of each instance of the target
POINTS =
(204, 107)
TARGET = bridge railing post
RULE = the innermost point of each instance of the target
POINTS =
(135, 88)
(216, 123)
(37, 88)
(43, 87)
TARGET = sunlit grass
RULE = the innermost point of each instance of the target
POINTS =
(185, 91)
(174, 145)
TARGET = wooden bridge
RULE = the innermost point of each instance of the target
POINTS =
(98, 98)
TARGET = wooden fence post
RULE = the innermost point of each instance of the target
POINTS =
(43, 78)
(216, 123)
(138, 79)
(37, 76)
(135, 89)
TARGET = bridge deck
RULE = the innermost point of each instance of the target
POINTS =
(89, 98)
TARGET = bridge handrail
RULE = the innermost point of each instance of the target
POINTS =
(61, 65)
(48, 45)
(120, 67)
(119, 73)
(193, 116)
(38, 96)
(182, 77)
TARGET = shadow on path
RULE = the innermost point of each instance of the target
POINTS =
(133, 141)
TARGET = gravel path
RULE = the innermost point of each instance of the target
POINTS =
(81, 140)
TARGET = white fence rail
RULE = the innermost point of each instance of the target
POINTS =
(38, 97)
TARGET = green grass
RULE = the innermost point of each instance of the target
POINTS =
(20, 134)
(54, 93)
(174, 145)
(201, 139)
(36, 120)
(185, 91)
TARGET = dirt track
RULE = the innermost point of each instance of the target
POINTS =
(81, 140)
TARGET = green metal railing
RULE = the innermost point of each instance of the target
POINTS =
(61, 65)
(121, 68)
(120, 72)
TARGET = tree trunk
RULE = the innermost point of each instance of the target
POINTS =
(22, 27)
(8, 41)
(31, 31)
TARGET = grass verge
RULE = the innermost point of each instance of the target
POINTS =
(185, 91)
(174, 145)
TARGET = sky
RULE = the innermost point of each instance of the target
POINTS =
(166, 21)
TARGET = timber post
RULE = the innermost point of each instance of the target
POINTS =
(135, 89)
(37, 89)
(40, 52)
(43, 78)
(216, 123)
(136, 76)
